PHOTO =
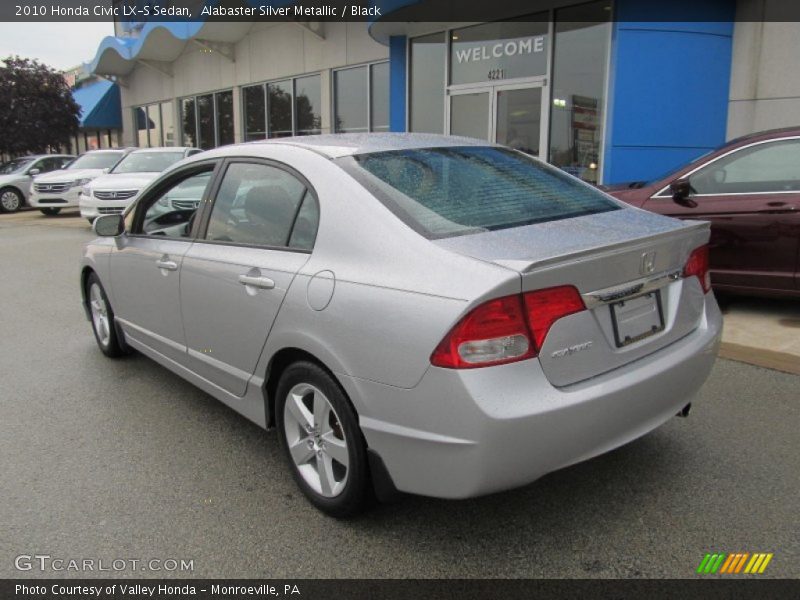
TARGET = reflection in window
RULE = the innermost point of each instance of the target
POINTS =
(188, 122)
(379, 97)
(280, 108)
(171, 213)
(582, 35)
(167, 124)
(350, 100)
(205, 121)
(224, 107)
(308, 99)
(427, 62)
(255, 113)
(140, 113)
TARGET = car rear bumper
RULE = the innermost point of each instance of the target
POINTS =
(65, 199)
(459, 434)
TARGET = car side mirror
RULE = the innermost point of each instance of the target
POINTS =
(109, 225)
(34, 172)
(681, 191)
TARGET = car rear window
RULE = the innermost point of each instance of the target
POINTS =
(445, 192)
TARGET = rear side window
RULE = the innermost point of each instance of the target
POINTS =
(262, 205)
(445, 192)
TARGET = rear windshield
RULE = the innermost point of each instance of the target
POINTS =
(445, 192)
(147, 162)
(96, 160)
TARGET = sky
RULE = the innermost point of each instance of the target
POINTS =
(58, 45)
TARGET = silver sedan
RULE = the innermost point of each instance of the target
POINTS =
(413, 313)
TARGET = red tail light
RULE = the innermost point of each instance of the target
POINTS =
(697, 266)
(545, 307)
(505, 330)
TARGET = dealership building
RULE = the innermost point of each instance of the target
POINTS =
(610, 90)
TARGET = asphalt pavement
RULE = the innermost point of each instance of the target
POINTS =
(120, 459)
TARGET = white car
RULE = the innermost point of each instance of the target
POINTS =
(50, 192)
(114, 192)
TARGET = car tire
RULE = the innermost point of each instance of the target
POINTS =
(318, 430)
(10, 200)
(51, 211)
(102, 318)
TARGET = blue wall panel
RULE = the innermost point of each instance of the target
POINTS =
(397, 83)
(668, 87)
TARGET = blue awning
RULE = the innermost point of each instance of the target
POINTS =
(100, 105)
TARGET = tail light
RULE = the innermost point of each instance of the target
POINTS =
(505, 330)
(697, 266)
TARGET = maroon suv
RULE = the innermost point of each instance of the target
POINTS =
(750, 191)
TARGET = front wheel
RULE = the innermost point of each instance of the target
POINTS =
(319, 432)
(10, 200)
(50, 212)
(102, 318)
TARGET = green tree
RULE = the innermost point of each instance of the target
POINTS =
(37, 110)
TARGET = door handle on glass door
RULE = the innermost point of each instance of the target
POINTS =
(265, 283)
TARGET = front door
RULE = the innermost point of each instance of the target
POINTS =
(510, 114)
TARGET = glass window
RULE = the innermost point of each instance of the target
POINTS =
(205, 122)
(469, 115)
(96, 160)
(188, 122)
(154, 122)
(770, 167)
(168, 124)
(256, 204)
(427, 62)
(140, 114)
(379, 97)
(308, 100)
(304, 232)
(444, 192)
(171, 213)
(350, 100)
(255, 113)
(147, 162)
(280, 108)
(582, 36)
(224, 107)
(501, 50)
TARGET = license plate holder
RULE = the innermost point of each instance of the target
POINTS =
(635, 319)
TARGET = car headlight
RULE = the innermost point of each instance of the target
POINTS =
(80, 183)
(86, 191)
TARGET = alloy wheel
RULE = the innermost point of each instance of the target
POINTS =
(99, 310)
(9, 200)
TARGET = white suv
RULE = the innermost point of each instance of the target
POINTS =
(114, 192)
(50, 192)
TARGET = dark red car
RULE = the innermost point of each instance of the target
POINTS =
(750, 191)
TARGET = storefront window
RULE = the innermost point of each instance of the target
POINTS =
(140, 118)
(205, 121)
(308, 100)
(379, 97)
(280, 108)
(426, 82)
(350, 100)
(582, 36)
(255, 113)
(154, 123)
(188, 122)
(224, 110)
(501, 50)
(167, 124)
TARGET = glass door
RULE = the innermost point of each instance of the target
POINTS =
(512, 115)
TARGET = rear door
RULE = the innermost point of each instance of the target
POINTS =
(256, 235)
(752, 198)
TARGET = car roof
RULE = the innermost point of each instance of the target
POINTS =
(163, 149)
(768, 134)
(348, 144)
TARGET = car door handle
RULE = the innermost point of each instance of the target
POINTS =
(167, 265)
(265, 283)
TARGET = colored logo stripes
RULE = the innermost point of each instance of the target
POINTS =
(738, 562)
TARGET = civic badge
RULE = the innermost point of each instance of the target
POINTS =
(648, 263)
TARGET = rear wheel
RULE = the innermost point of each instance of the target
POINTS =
(51, 211)
(10, 200)
(319, 432)
(102, 318)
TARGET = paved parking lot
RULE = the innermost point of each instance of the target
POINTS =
(121, 459)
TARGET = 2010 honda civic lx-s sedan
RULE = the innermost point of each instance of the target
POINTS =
(414, 313)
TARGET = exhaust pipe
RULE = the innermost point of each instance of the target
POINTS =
(684, 412)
